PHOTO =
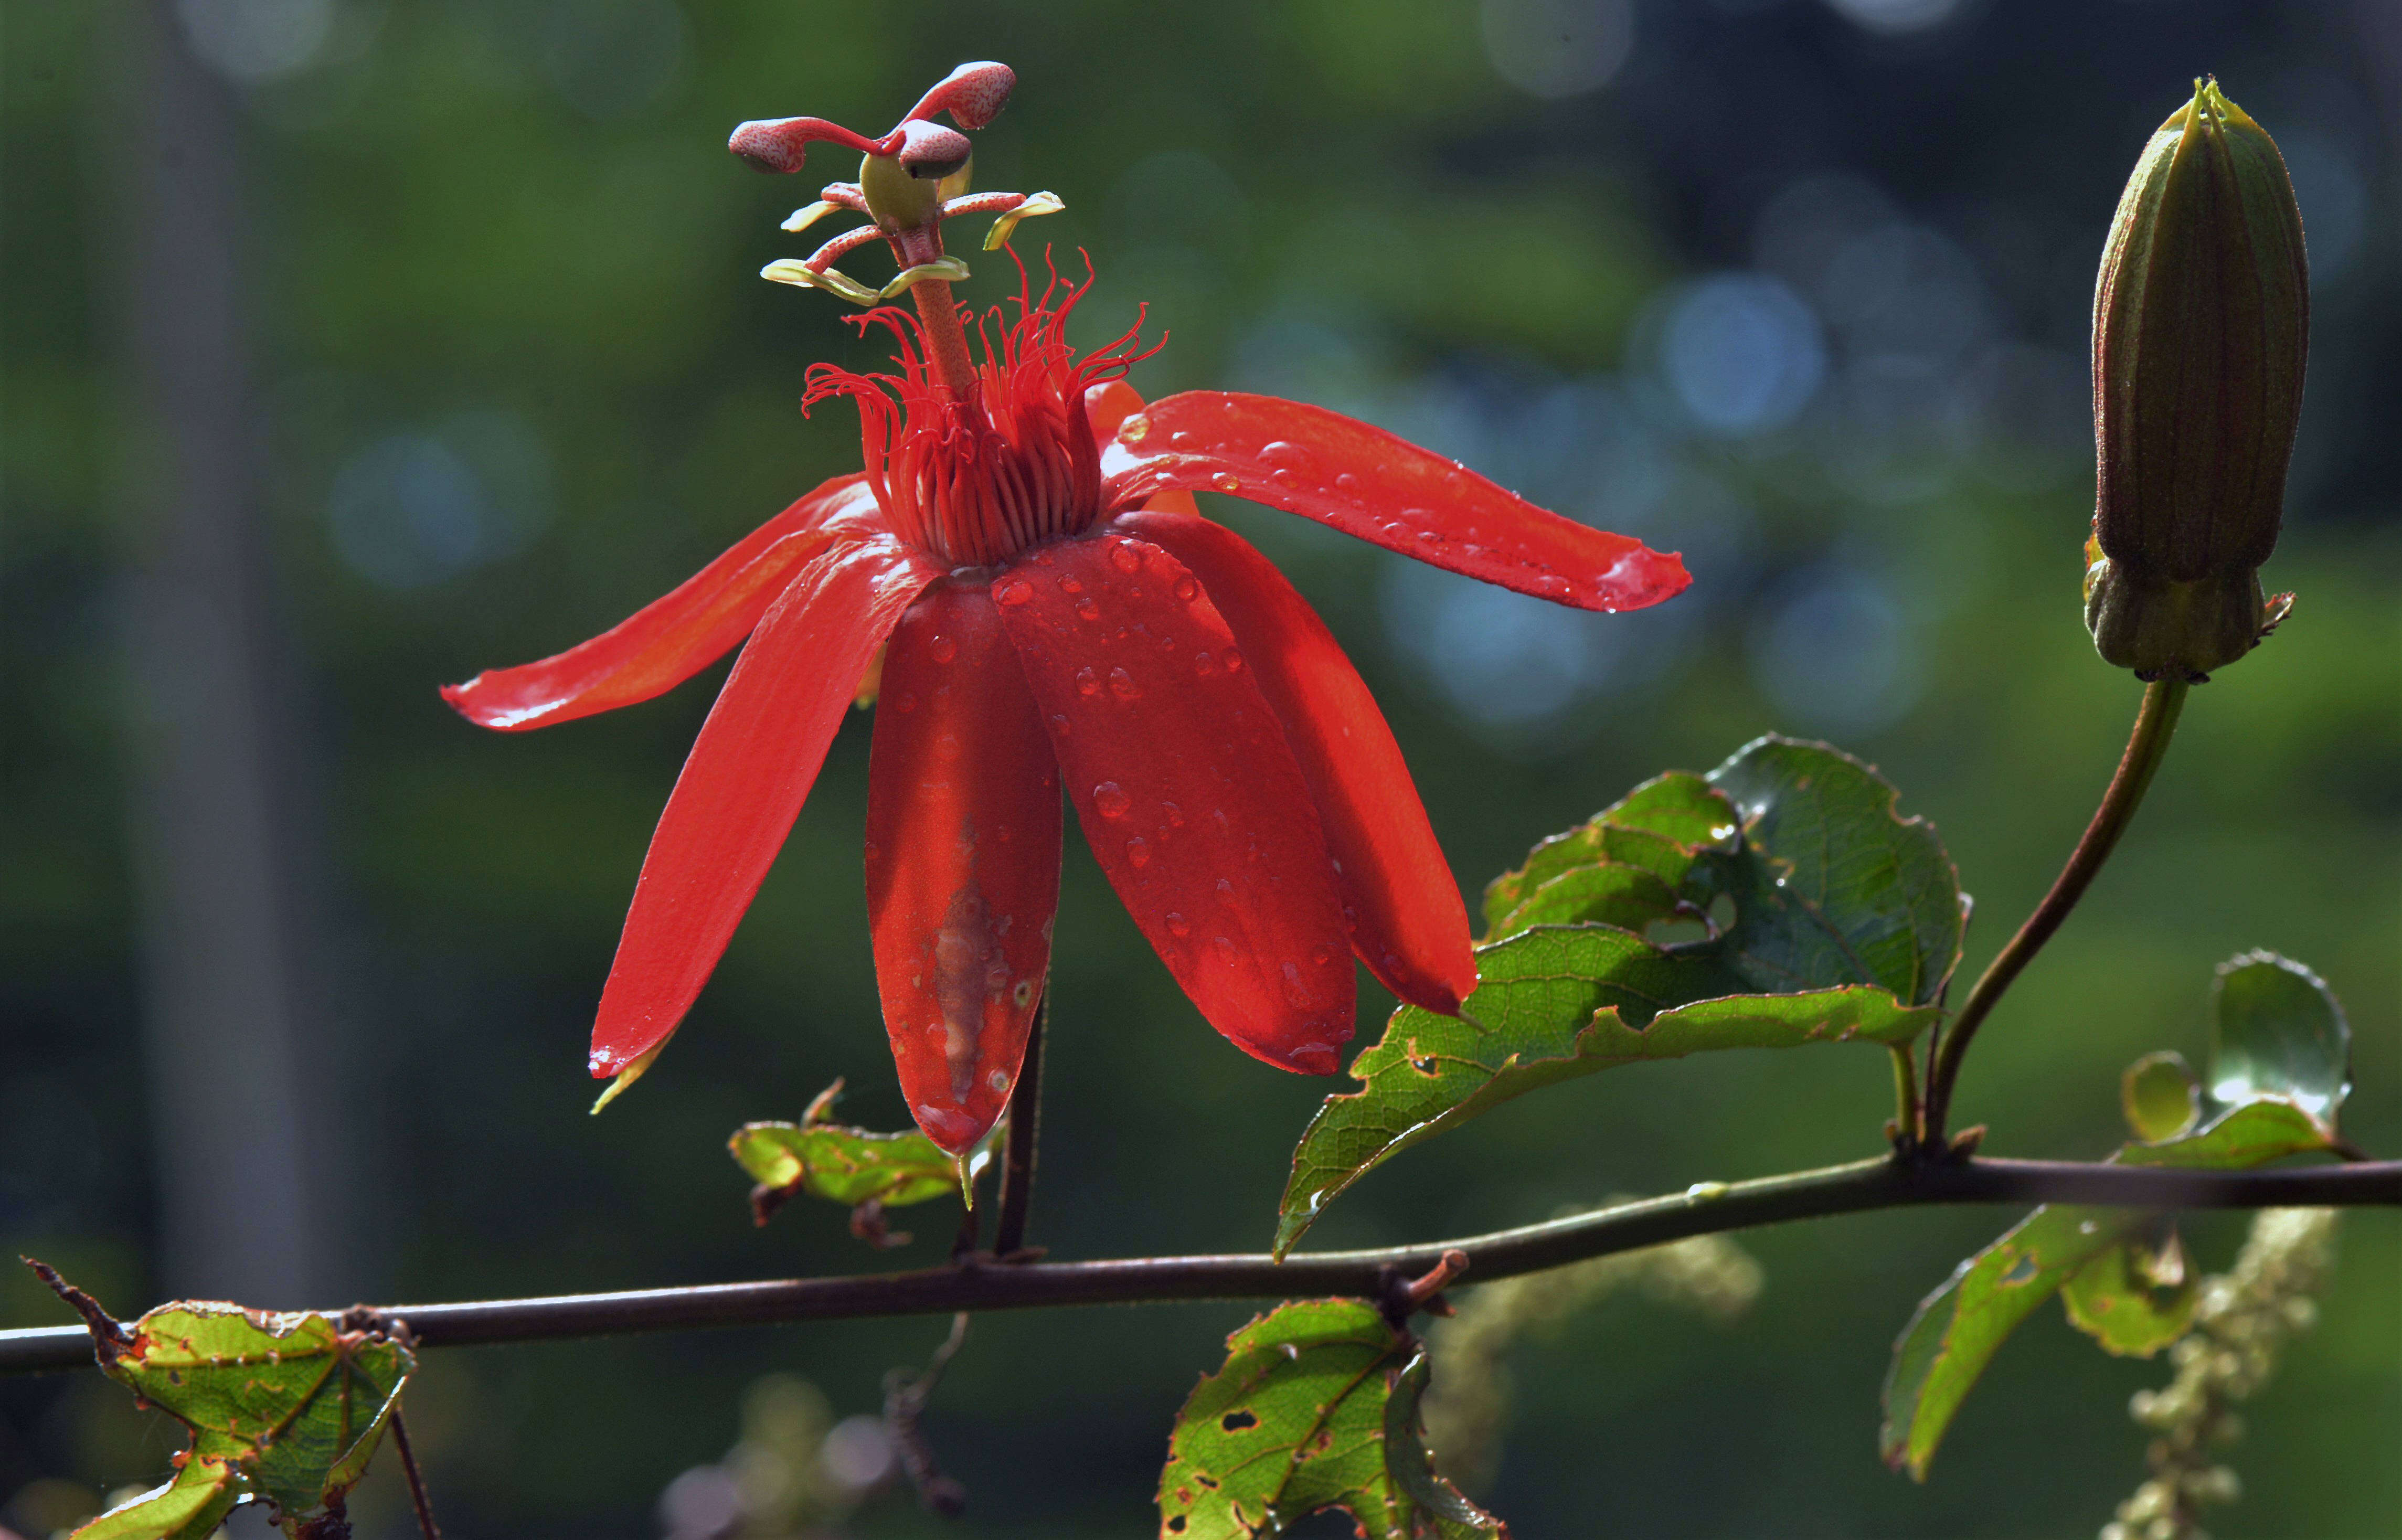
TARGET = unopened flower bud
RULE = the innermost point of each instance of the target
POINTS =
(2200, 329)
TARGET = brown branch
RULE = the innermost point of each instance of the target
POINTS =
(977, 1284)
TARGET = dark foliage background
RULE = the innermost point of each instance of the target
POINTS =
(1797, 286)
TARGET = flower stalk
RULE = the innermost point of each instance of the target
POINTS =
(2154, 723)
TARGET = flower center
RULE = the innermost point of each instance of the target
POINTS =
(975, 477)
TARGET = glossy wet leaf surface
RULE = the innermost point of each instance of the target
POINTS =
(843, 1164)
(1960, 1327)
(1822, 916)
(282, 1407)
(1316, 1408)
(2280, 1033)
(2161, 1095)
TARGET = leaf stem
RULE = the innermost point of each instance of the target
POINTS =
(1025, 1128)
(2155, 722)
(1906, 1126)
(977, 1285)
(417, 1498)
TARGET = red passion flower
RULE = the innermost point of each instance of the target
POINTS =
(1052, 611)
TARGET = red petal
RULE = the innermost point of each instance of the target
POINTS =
(743, 785)
(1107, 406)
(669, 640)
(962, 861)
(1407, 921)
(1386, 490)
(1188, 795)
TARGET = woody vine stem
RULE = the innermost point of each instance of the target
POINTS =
(979, 1282)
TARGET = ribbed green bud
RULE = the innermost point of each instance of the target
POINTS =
(2201, 330)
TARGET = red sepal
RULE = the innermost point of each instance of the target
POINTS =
(1407, 921)
(962, 861)
(673, 637)
(1107, 406)
(743, 785)
(1187, 791)
(1384, 490)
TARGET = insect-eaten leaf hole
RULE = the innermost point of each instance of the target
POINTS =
(1236, 1422)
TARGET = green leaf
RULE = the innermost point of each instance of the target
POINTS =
(1959, 1327)
(2161, 1095)
(1316, 1408)
(297, 1402)
(287, 1409)
(1657, 828)
(2132, 1299)
(1556, 1002)
(1830, 891)
(2280, 1033)
(189, 1507)
(846, 1165)
(1833, 885)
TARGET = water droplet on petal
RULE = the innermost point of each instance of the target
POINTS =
(1296, 994)
(1068, 584)
(1086, 609)
(1226, 481)
(1125, 557)
(1175, 815)
(1232, 660)
(942, 649)
(1203, 665)
(1179, 439)
(1121, 685)
(1138, 853)
(1015, 591)
(1178, 925)
(947, 745)
(1321, 955)
(1087, 682)
(1134, 429)
(1187, 589)
(904, 703)
(1228, 952)
(1109, 799)
(1346, 481)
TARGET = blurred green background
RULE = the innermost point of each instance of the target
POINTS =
(351, 346)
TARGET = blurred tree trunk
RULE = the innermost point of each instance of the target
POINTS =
(236, 1035)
